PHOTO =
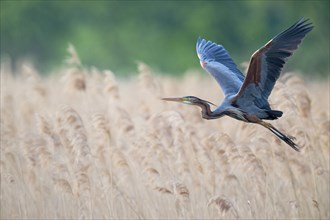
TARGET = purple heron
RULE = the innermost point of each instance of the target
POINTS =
(246, 98)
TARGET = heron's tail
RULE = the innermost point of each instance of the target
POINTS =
(287, 139)
(273, 114)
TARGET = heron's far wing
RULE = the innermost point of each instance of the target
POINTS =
(267, 62)
(207, 50)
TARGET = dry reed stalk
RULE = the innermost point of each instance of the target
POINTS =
(75, 75)
(152, 174)
(121, 167)
(208, 169)
(256, 180)
(45, 128)
(153, 159)
(103, 136)
(223, 144)
(49, 141)
(148, 86)
(323, 136)
(8, 131)
(160, 126)
(163, 189)
(181, 161)
(316, 206)
(159, 180)
(182, 200)
(111, 86)
(73, 133)
(152, 168)
(29, 72)
(303, 102)
(45, 155)
(73, 58)
(10, 167)
(264, 149)
(281, 98)
(103, 151)
(176, 123)
(148, 82)
(63, 185)
(151, 150)
(114, 168)
(79, 162)
(75, 80)
(117, 195)
(123, 122)
(95, 79)
(225, 207)
(31, 76)
(220, 147)
(44, 125)
(51, 155)
(227, 165)
(193, 168)
(71, 128)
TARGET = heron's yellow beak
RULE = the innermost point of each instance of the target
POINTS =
(181, 99)
(188, 100)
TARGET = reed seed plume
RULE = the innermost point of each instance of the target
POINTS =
(225, 208)
(111, 86)
(148, 81)
(86, 144)
(73, 58)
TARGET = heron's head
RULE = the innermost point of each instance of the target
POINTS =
(190, 100)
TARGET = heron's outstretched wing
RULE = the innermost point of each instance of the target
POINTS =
(226, 73)
(267, 62)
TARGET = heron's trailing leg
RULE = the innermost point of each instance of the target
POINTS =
(287, 139)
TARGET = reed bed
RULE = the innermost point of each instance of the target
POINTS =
(84, 144)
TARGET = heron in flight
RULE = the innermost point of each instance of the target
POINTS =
(246, 98)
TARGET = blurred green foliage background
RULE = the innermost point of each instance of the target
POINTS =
(115, 34)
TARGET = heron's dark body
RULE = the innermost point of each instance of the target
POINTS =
(237, 113)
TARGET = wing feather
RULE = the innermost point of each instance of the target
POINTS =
(224, 70)
(267, 62)
(207, 50)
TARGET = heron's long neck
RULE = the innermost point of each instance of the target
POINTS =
(206, 111)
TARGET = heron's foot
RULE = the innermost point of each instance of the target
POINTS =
(290, 141)
(292, 137)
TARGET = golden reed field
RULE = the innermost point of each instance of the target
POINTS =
(83, 144)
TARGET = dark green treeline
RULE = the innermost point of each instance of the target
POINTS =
(116, 34)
